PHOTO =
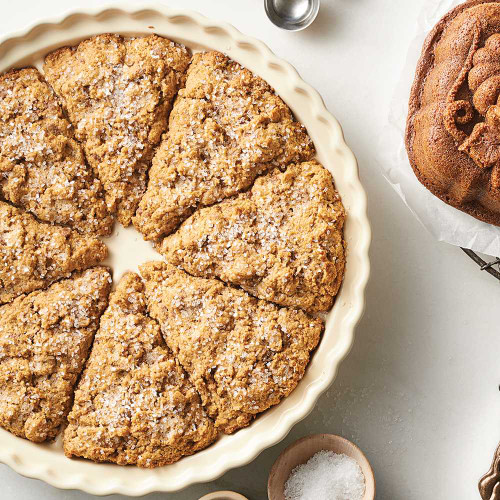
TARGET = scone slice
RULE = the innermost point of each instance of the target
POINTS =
(118, 93)
(281, 241)
(34, 254)
(134, 403)
(227, 127)
(42, 167)
(242, 354)
(44, 341)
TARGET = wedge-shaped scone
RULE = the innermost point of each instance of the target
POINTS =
(134, 403)
(42, 167)
(281, 241)
(118, 94)
(227, 127)
(34, 254)
(242, 354)
(44, 341)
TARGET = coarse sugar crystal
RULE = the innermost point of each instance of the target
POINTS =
(326, 476)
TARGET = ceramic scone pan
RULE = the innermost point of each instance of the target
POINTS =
(47, 462)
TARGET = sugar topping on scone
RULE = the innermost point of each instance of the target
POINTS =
(44, 340)
(227, 127)
(134, 403)
(35, 254)
(42, 167)
(118, 93)
(249, 223)
(281, 241)
(242, 354)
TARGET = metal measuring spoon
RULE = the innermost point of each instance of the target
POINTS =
(292, 15)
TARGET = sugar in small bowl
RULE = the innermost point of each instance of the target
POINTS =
(321, 467)
(326, 476)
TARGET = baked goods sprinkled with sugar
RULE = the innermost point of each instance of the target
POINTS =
(134, 403)
(233, 198)
(227, 127)
(35, 254)
(42, 167)
(44, 339)
(453, 126)
(118, 93)
(242, 354)
(281, 241)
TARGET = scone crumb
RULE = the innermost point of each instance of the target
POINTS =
(242, 354)
(134, 404)
(44, 340)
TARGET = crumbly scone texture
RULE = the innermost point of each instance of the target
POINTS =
(118, 93)
(227, 127)
(281, 241)
(42, 167)
(34, 254)
(242, 354)
(134, 403)
(44, 341)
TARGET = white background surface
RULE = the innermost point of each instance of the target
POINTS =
(419, 391)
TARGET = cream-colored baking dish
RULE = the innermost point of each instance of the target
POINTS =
(47, 462)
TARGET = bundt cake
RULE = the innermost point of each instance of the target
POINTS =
(453, 126)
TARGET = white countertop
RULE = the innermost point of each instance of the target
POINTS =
(419, 391)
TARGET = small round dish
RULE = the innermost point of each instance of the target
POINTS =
(303, 449)
(223, 495)
(292, 15)
(47, 461)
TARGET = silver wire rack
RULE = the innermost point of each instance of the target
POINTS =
(492, 267)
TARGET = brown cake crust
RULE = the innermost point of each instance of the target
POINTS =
(242, 354)
(444, 111)
(227, 127)
(44, 340)
(34, 254)
(118, 93)
(42, 167)
(134, 403)
(281, 241)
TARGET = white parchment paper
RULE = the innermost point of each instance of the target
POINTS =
(444, 222)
